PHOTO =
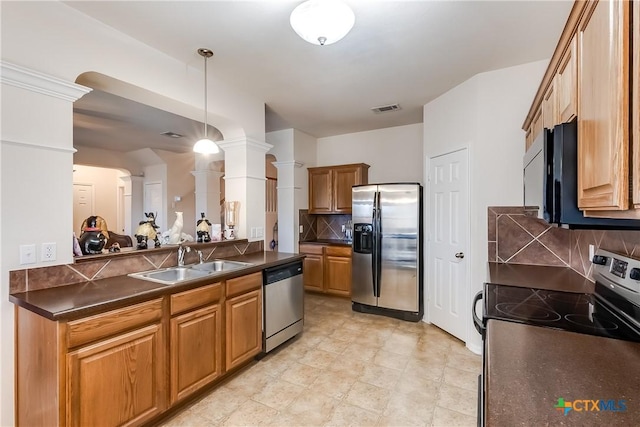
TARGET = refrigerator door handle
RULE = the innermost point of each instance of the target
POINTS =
(374, 249)
(378, 244)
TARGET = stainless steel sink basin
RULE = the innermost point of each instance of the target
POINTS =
(220, 265)
(172, 275)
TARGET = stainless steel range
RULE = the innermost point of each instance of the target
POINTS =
(613, 311)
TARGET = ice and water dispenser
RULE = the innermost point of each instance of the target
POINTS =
(362, 238)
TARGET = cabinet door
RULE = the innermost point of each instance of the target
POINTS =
(603, 107)
(313, 272)
(196, 350)
(320, 200)
(243, 328)
(338, 275)
(117, 381)
(549, 109)
(343, 180)
(567, 87)
(536, 124)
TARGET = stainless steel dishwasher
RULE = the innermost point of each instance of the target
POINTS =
(283, 304)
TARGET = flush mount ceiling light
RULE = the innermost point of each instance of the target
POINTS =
(205, 145)
(322, 22)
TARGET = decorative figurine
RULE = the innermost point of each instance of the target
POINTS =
(147, 230)
(92, 239)
(203, 229)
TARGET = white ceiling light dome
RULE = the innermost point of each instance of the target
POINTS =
(322, 22)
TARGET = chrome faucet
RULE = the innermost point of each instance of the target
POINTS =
(200, 256)
(181, 251)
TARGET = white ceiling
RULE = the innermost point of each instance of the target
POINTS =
(406, 52)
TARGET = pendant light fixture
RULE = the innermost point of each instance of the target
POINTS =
(322, 22)
(205, 145)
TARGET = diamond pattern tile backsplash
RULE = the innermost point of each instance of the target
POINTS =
(322, 226)
(517, 236)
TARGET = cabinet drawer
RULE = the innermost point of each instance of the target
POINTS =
(311, 248)
(195, 298)
(102, 325)
(338, 251)
(244, 284)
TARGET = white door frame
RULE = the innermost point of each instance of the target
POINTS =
(466, 314)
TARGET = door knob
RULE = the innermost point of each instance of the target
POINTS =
(460, 255)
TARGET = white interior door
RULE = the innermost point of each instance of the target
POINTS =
(448, 212)
(153, 202)
(82, 205)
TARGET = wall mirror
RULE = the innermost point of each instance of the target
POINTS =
(133, 158)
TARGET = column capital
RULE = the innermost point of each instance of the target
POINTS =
(209, 173)
(230, 144)
(132, 178)
(285, 164)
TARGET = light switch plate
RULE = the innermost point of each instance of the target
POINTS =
(27, 254)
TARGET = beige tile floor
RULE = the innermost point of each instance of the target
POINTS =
(349, 369)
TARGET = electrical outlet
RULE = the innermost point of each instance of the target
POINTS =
(253, 232)
(27, 254)
(259, 232)
(301, 229)
(592, 252)
(48, 252)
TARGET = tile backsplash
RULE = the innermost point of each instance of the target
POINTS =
(322, 226)
(33, 279)
(517, 236)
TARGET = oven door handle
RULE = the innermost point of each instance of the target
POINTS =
(477, 322)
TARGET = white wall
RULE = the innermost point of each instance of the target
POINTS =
(394, 154)
(484, 114)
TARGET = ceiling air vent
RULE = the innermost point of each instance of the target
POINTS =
(172, 134)
(385, 108)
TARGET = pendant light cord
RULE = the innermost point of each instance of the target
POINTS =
(205, 96)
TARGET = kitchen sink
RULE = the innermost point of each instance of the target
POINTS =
(172, 275)
(220, 265)
(175, 275)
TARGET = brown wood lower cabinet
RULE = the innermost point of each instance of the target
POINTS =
(243, 320)
(117, 381)
(129, 365)
(196, 340)
(327, 268)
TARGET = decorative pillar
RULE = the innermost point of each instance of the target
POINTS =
(244, 165)
(288, 217)
(208, 194)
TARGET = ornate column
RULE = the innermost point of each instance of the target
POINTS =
(244, 165)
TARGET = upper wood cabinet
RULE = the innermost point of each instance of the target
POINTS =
(594, 75)
(566, 82)
(549, 108)
(330, 187)
(603, 106)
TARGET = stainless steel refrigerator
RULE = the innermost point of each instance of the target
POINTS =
(387, 268)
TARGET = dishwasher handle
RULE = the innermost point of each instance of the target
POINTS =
(282, 272)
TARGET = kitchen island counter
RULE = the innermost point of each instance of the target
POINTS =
(529, 368)
(96, 296)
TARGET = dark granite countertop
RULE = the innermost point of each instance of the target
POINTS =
(539, 277)
(92, 297)
(334, 242)
(528, 368)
